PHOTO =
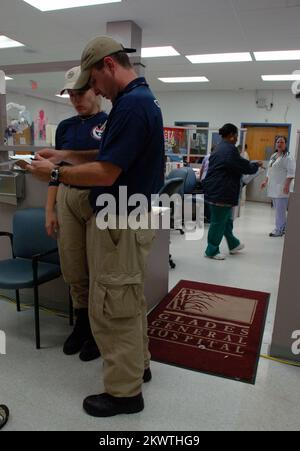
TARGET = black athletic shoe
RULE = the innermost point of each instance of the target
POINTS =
(4, 414)
(106, 405)
(89, 351)
(81, 333)
(147, 375)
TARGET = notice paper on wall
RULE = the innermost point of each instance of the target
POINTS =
(2, 83)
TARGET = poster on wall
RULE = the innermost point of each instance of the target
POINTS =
(40, 127)
(176, 142)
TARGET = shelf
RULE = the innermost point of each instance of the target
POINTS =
(28, 149)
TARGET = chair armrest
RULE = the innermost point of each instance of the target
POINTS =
(11, 237)
(37, 257)
(35, 261)
(6, 234)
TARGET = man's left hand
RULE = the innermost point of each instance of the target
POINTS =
(41, 168)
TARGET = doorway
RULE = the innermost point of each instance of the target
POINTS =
(261, 139)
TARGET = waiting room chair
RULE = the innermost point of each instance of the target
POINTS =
(188, 176)
(35, 258)
(188, 189)
(172, 186)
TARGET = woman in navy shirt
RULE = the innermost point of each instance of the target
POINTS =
(68, 211)
(222, 190)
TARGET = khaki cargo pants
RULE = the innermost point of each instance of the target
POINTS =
(118, 311)
(74, 212)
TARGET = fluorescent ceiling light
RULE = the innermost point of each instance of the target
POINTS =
(7, 43)
(63, 96)
(220, 58)
(184, 80)
(8, 78)
(53, 5)
(288, 77)
(152, 52)
(287, 55)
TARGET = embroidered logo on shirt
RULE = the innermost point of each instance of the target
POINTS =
(98, 131)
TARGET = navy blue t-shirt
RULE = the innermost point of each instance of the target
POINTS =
(78, 133)
(134, 141)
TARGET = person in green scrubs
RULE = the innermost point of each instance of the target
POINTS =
(222, 190)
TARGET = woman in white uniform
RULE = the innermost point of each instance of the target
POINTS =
(280, 175)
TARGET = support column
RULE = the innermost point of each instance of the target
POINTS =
(286, 334)
(129, 34)
(3, 115)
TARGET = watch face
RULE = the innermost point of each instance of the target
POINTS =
(55, 175)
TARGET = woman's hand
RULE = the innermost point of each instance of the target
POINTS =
(52, 225)
(286, 188)
(263, 185)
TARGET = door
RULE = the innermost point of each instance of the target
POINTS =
(261, 140)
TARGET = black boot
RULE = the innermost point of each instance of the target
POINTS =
(81, 333)
(89, 351)
(147, 375)
(106, 405)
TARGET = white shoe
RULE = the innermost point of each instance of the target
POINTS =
(237, 249)
(217, 257)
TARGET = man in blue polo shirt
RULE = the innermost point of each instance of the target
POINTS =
(131, 156)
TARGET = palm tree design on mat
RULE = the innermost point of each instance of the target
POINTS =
(196, 301)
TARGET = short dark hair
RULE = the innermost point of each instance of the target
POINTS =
(227, 130)
(120, 57)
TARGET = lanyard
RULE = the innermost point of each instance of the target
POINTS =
(130, 88)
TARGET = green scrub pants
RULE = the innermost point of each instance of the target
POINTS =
(221, 225)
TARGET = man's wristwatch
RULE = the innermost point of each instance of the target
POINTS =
(55, 175)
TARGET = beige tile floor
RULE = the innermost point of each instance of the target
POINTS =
(44, 389)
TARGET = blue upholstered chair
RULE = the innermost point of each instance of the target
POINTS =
(187, 189)
(171, 186)
(35, 258)
(188, 176)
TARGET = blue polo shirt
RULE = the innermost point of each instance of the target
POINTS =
(78, 133)
(134, 141)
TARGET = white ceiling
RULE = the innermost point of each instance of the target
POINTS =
(191, 26)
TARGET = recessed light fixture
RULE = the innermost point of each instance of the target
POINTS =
(8, 78)
(53, 5)
(184, 80)
(220, 58)
(286, 55)
(288, 77)
(152, 52)
(7, 43)
(63, 96)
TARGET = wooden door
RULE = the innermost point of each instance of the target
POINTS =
(261, 140)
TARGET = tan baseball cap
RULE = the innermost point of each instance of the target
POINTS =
(71, 77)
(95, 51)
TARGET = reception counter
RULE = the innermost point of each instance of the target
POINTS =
(55, 294)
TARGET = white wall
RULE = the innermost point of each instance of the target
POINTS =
(215, 107)
(220, 107)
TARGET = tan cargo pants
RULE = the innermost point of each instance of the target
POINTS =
(74, 212)
(117, 305)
